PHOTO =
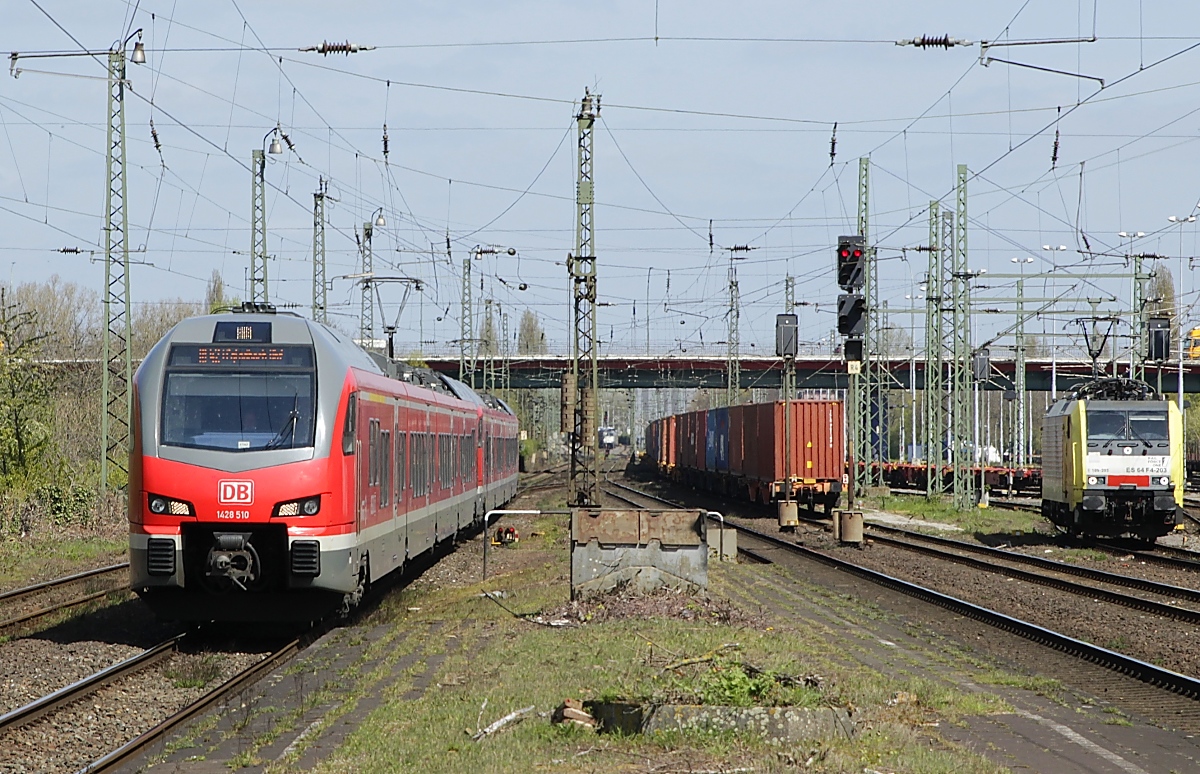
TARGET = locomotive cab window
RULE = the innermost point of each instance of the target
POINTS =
(239, 398)
(1140, 426)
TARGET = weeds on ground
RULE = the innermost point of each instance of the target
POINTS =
(524, 664)
(194, 671)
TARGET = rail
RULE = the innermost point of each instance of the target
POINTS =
(79, 689)
(126, 752)
(1118, 662)
(16, 596)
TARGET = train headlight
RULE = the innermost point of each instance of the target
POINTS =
(159, 505)
(1164, 480)
(309, 506)
(1091, 480)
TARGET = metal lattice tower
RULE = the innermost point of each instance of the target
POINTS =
(466, 334)
(733, 361)
(118, 363)
(584, 470)
(1137, 322)
(935, 416)
(487, 350)
(366, 309)
(866, 403)
(258, 226)
(961, 372)
(320, 290)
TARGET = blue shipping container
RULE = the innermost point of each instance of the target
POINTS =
(716, 440)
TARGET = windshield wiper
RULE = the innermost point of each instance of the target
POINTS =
(289, 427)
(1140, 437)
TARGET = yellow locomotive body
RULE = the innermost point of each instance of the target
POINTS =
(1113, 467)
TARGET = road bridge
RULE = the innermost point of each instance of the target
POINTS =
(823, 373)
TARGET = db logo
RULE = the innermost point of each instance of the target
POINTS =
(235, 492)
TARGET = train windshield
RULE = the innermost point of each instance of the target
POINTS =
(1137, 425)
(239, 411)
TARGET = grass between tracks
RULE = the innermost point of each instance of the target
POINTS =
(495, 663)
(28, 560)
(980, 521)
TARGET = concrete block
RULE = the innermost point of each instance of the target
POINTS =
(722, 544)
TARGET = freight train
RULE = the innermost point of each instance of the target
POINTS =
(742, 451)
(1113, 461)
(277, 469)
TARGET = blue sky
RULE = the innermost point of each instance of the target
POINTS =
(726, 117)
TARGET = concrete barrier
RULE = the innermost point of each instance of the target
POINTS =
(639, 549)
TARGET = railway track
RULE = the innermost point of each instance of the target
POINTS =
(22, 606)
(1145, 672)
(129, 669)
(112, 761)
(88, 685)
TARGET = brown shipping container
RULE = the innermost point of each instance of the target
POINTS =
(818, 448)
(668, 434)
(691, 451)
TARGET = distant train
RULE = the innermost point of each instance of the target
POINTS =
(743, 451)
(1113, 461)
(607, 437)
(277, 469)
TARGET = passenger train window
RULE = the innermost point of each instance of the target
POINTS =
(401, 462)
(385, 467)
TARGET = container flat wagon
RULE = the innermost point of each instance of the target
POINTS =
(748, 451)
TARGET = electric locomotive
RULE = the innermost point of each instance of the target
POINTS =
(277, 469)
(1113, 461)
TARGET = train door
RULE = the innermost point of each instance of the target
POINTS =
(395, 492)
(480, 505)
(361, 471)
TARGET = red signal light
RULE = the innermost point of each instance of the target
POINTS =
(858, 253)
(845, 253)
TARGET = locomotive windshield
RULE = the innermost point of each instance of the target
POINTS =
(1144, 425)
(266, 403)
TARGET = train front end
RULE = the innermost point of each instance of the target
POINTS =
(236, 503)
(1131, 474)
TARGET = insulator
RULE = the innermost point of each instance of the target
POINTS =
(932, 41)
(288, 141)
(1054, 152)
(326, 48)
(833, 144)
(154, 136)
(385, 141)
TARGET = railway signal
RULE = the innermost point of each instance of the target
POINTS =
(851, 262)
(1159, 345)
(851, 314)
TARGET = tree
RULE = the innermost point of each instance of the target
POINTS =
(531, 340)
(151, 322)
(26, 388)
(214, 296)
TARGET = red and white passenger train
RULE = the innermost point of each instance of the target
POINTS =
(277, 469)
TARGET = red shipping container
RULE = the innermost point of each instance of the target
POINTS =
(817, 441)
